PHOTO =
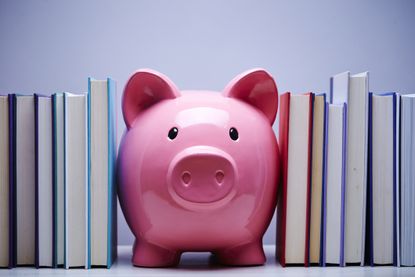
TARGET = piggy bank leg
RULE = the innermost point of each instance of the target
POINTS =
(150, 255)
(247, 254)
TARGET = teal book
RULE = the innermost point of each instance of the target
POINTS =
(102, 204)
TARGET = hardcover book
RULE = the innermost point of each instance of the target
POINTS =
(293, 218)
(383, 185)
(102, 152)
(44, 181)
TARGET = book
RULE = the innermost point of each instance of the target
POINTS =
(44, 181)
(25, 179)
(6, 176)
(382, 186)
(339, 88)
(356, 168)
(317, 176)
(102, 153)
(294, 196)
(334, 205)
(353, 90)
(75, 180)
(58, 179)
(407, 181)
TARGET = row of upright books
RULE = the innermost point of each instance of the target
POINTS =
(57, 194)
(348, 163)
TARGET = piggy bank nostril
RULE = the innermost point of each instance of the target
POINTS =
(219, 176)
(186, 177)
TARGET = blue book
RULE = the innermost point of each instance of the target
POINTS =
(102, 204)
(382, 183)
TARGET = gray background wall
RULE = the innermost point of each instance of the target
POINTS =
(52, 46)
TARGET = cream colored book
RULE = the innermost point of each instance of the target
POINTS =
(319, 121)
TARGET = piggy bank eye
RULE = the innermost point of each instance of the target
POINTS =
(233, 133)
(173, 133)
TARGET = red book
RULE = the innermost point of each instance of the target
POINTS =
(293, 213)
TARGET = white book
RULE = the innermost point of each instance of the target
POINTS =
(382, 172)
(76, 174)
(4, 181)
(335, 184)
(44, 184)
(354, 90)
(339, 88)
(102, 164)
(58, 178)
(25, 180)
(297, 178)
(407, 177)
(99, 170)
(356, 168)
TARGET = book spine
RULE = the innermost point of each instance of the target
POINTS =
(111, 239)
(370, 183)
(364, 213)
(36, 181)
(324, 189)
(308, 204)
(88, 251)
(343, 186)
(12, 180)
(282, 191)
(65, 224)
(87, 170)
(395, 184)
(54, 187)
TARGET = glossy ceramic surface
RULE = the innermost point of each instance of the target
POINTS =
(198, 170)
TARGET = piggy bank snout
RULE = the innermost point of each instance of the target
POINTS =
(202, 174)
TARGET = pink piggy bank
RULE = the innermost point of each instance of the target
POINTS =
(198, 170)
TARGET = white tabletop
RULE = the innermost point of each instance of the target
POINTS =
(198, 264)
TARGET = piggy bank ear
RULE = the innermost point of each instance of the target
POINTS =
(257, 88)
(145, 88)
